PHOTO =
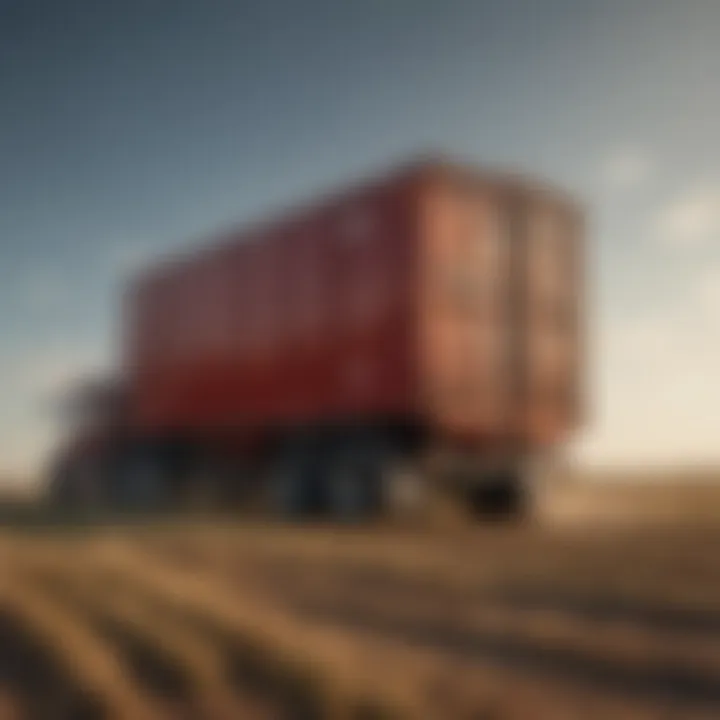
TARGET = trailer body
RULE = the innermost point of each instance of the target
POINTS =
(435, 308)
(302, 321)
(434, 294)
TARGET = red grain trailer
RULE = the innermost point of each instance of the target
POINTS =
(430, 315)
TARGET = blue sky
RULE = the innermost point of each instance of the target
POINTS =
(131, 128)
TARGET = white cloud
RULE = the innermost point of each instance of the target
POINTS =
(655, 390)
(625, 168)
(692, 219)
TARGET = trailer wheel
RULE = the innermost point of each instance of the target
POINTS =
(500, 497)
(295, 487)
(202, 487)
(352, 484)
(140, 481)
(368, 477)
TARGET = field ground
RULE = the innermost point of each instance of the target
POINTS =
(579, 614)
(633, 497)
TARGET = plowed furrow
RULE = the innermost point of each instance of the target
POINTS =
(612, 636)
(700, 621)
(11, 707)
(185, 670)
(617, 656)
(57, 665)
(606, 657)
(531, 649)
(315, 673)
(446, 668)
(603, 579)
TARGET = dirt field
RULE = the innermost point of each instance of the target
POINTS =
(199, 620)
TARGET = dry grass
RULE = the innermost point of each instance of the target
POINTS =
(195, 620)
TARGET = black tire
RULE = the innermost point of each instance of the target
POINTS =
(354, 483)
(369, 479)
(296, 482)
(501, 497)
(139, 481)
